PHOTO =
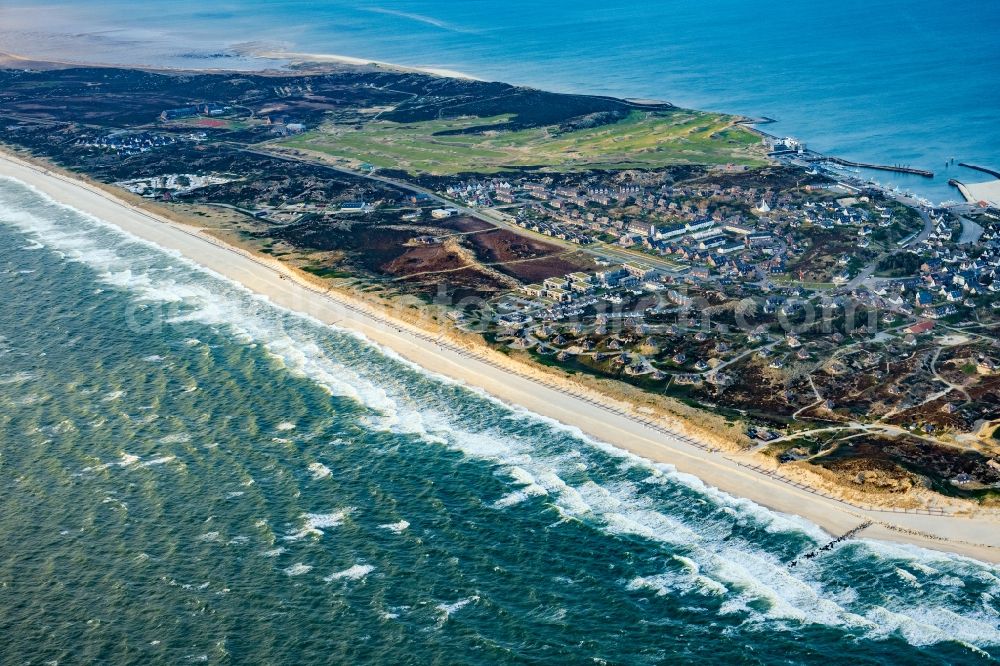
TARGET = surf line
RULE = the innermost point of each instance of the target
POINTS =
(829, 546)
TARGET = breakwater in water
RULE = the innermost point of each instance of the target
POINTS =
(991, 172)
(881, 167)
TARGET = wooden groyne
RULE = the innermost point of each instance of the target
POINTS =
(881, 167)
(995, 174)
(843, 537)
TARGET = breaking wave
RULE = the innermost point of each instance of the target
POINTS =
(716, 548)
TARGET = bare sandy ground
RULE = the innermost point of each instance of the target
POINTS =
(976, 536)
(988, 191)
(361, 62)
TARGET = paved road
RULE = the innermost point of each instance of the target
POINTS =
(863, 274)
(494, 217)
(971, 232)
(925, 233)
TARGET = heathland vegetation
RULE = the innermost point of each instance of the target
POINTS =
(470, 144)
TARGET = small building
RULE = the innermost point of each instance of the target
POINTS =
(920, 327)
(533, 290)
(174, 114)
(559, 295)
(443, 213)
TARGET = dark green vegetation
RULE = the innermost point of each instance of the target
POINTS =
(901, 264)
(949, 471)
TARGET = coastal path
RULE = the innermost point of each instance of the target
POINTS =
(496, 218)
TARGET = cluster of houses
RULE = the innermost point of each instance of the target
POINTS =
(127, 143)
(726, 241)
(209, 109)
(554, 229)
(733, 230)
(177, 183)
(568, 288)
(486, 193)
(953, 275)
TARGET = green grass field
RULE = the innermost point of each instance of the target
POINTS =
(640, 140)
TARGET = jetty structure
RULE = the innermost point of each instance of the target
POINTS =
(783, 146)
(992, 172)
(975, 193)
(830, 545)
(880, 167)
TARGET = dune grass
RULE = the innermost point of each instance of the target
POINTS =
(640, 140)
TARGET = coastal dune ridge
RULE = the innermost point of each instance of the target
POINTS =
(296, 57)
(606, 426)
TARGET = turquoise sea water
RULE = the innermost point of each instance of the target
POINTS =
(912, 82)
(190, 474)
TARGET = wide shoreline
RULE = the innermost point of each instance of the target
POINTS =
(296, 57)
(286, 61)
(976, 536)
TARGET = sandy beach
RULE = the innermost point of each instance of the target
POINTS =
(975, 536)
(988, 192)
(313, 58)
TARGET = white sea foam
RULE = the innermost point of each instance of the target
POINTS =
(356, 572)
(529, 488)
(16, 378)
(274, 552)
(117, 502)
(113, 395)
(298, 569)
(30, 399)
(454, 607)
(746, 575)
(156, 461)
(313, 524)
(663, 584)
(126, 460)
(319, 470)
(395, 527)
